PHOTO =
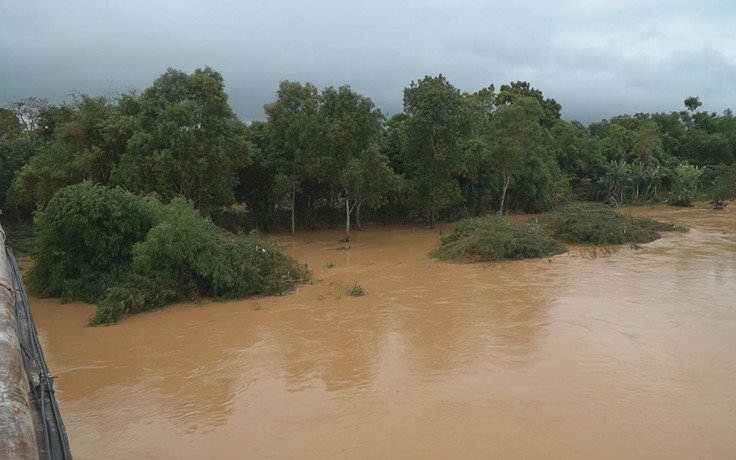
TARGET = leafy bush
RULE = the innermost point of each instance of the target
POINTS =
(132, 254)
(720, 184)
(601, 225)
(86, 235)
(688, 179)
(495, 238)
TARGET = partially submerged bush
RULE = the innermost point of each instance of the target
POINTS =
(185, 257)
(495, 238)
(355, 290)
(720, 184)
(132, 254)
(601, 225)
(86, 235)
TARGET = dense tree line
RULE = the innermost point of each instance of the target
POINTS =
(329, 156)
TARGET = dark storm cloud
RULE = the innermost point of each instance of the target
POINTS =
(597, 58)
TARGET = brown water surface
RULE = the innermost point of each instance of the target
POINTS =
(581, 356)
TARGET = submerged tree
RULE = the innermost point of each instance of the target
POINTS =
(349, 156)
(513, 136)
(441, 121)
(292, 124)
(130, 254)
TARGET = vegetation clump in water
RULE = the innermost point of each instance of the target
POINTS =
(355, 290)
(600, 225)
(131, 254)
(494, 238)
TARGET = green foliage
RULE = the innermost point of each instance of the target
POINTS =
(720, 184)
(82, 141)
(692, 103)
(495, 238)
(290, 131)
(515, 139)
(600, 225)
(86, 235)
(185, 257)
(688, 177)
(541, 188)
(509, 94)
(348, 157)
(131, 254)
(436, 134)
(45, 174)
(15, 153)
(188, 141)
(578, 157)
(10, 125)
(451, 154)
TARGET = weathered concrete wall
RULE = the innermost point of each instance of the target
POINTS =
(17, 435)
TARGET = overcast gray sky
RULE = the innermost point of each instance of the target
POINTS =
(597, 58)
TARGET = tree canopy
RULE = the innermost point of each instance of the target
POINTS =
(321, 156)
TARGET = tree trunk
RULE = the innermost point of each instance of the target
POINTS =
(347, 219)
(357, 217)
(506, 180)
(293, 209)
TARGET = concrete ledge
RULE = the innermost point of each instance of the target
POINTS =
(17, 434)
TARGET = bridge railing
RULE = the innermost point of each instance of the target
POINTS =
(17, 432)
(30, 422)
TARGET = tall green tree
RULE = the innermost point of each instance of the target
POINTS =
(9, 124)
(256, 176)
(188, 142)
(83, 144)
(508, 94)
(437, 133)
(514, 135)
(578, 156)
(349, 155)
(692, 103)
(15, 153)
(291, 129)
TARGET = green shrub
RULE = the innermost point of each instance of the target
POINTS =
(185, 257)
(601, 225)
(685, 186)
(495, 238)
(86, 235)
(720, 184)
(131, 254)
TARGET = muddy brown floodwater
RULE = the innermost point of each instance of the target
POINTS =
(629, 355)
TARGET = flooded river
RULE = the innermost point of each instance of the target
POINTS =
(586, 355)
